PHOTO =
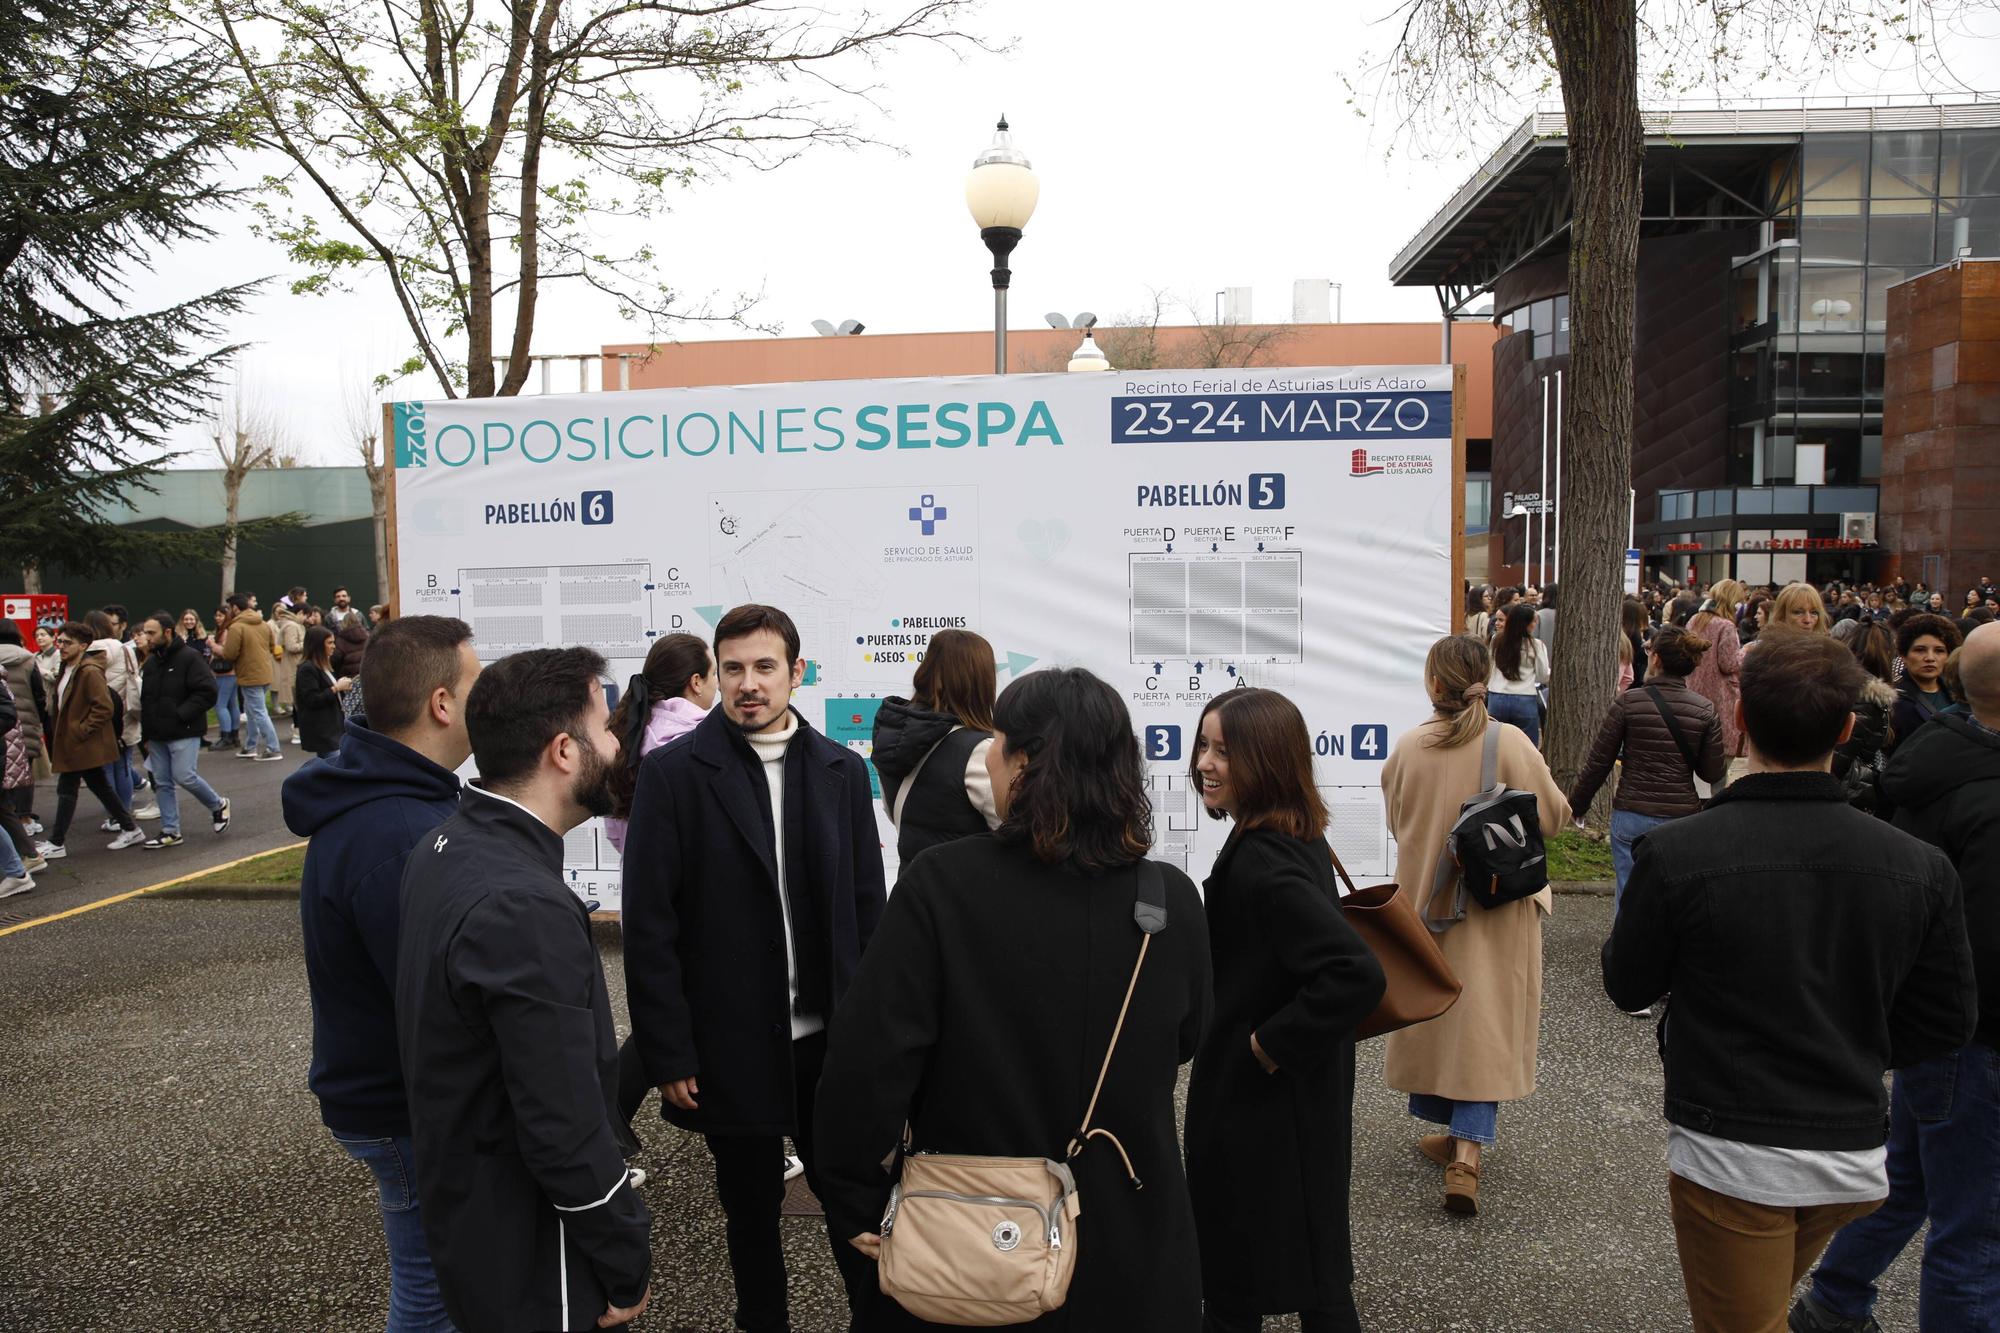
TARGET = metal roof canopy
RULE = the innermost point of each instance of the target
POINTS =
(1702, 166)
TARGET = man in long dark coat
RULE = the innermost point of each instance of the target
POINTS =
(753, 880)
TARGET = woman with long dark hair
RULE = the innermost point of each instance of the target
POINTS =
(1859, 760)
(316, 692)
(930, 749)
(670, 694)
(982, 1011)
(1520, 669)
(1923, 641)
(1458, 1067)
(1271, 1106)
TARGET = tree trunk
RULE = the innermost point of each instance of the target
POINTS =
(378, 494)
(1596, 49)
(31, 578)
(232, 496)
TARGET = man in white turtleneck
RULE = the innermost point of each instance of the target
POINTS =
(753, 880)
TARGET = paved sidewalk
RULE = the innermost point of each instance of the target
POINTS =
(163, 1167)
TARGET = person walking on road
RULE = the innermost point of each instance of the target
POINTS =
(1663, 736)
(366, 809)
(1270, 1113)
(1520, 669)
(31, 703)
(1798, 977)
(176, 690)
(1944, 1113)
(83, 742)
(1460, 1066)
(505, 1024)
(753, 881)
(247, 648)
(15, 849)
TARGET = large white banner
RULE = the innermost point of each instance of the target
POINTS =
(1180, 533)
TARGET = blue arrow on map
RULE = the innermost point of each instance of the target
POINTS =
(1213, 547)
(712, 614)
(1260, 546)
(1197, 668)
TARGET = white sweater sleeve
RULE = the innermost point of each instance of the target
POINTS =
(979, 786)
(1541, 662)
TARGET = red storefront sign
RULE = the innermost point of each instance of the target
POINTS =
(29, 609)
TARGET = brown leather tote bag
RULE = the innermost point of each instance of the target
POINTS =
(1421, 983)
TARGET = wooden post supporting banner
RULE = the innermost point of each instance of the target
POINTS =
(394, 594)
(1455, 618)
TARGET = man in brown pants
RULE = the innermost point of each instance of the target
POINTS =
(1808, 948)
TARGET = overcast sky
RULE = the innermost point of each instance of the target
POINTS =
(1184, 147)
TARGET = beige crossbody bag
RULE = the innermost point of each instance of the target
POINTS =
(978, 1242)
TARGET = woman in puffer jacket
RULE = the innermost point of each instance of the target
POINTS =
(1666, 735)
(930, 750)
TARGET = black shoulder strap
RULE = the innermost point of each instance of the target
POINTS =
(1149, 907)
(1667, 715)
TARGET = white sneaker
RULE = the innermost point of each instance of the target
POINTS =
(150, 810)
(1647, 1012)
(635, 1177)
(124, 840)
(794, 1168)
(51, 851)
(32, 827)
(109, 826)
(14, 884)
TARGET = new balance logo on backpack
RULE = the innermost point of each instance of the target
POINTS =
(1494, 850)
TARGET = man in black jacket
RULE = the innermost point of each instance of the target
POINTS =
(505, 1025)
(1799, 972)
(1944, 1114)
(176, 690)
(753, 880)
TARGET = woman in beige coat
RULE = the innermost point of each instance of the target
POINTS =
(1481, 1051)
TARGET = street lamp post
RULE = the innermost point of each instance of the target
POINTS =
(1001, 192)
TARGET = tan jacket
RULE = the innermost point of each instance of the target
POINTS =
(82, 738)
(1483, 1048)
(290, 627)
(247, 646)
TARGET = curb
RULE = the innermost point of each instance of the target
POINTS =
(1599, 888)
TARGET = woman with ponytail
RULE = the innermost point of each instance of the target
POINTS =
(1458, 1067)
(673, 692)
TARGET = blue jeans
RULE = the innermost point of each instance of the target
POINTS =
(1944, 1165)
(1475, 1122)
(173, 765)
(257, 728)
(11, 864)
(1520, 709)
(119, 770)
(1626, 829)
(227, 709)
(414, 1303)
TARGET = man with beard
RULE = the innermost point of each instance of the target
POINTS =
(753, 880)
(505, 1025)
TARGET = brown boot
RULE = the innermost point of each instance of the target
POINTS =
(1461, 1189)
(1437, 1147)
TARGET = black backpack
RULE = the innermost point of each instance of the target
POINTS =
(1494, 849)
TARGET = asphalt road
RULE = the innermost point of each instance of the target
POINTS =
(91, 872)
(163, 1166)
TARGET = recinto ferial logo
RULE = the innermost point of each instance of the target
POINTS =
(1362, 467)
(927, 514)
(411, 449)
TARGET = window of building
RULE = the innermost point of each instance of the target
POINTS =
(1754, 501)
(1902, 232)
(1478, 504)
(1905, 164)
(1835, 166)
(1838, 238)
(1825, 377)
(1809, 465)
(1971, 162)
(1560, 317)
(1791, 500)
(1963, 223)
(1871, 455)
(1830, 299)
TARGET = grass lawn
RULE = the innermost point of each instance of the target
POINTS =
(279, 869)
(1573, 857)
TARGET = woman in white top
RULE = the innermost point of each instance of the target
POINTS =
(1520, 669)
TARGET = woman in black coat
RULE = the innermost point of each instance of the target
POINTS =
(983, 1007)
(316, 695)
(930, 750)
(1271, 1107)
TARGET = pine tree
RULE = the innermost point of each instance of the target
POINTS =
(111, 133)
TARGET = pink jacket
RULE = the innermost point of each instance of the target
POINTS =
(670, 718)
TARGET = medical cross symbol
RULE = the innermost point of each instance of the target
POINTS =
(927, 514)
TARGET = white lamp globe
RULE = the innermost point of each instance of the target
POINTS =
(1002, 190)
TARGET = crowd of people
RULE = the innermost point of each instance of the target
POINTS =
(125, 707)
(1023, 1000)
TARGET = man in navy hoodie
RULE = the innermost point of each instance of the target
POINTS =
(365, 809)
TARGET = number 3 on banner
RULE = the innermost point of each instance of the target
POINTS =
(1163, 744)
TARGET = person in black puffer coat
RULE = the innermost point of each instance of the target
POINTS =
(1859, 760)
(930, 751)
